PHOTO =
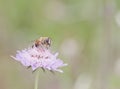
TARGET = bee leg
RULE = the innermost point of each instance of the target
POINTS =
(32, 46)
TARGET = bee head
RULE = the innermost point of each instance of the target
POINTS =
(48, 41)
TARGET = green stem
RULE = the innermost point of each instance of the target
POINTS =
(36, 80)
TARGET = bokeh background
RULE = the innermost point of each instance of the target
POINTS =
(86, 33)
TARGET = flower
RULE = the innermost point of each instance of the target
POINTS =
(39, 57)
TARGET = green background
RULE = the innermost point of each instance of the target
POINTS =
(85, 33)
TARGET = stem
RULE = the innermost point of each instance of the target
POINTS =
(36, 79)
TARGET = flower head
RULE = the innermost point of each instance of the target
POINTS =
(39, 57)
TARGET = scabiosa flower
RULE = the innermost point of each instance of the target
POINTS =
(39, 57)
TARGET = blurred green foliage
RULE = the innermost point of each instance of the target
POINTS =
(84, 32)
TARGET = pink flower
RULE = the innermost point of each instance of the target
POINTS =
(39, 57)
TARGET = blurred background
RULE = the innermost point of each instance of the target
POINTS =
(85, 33)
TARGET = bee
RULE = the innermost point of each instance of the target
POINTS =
(42, 42)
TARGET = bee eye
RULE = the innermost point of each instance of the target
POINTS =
(48, 41)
